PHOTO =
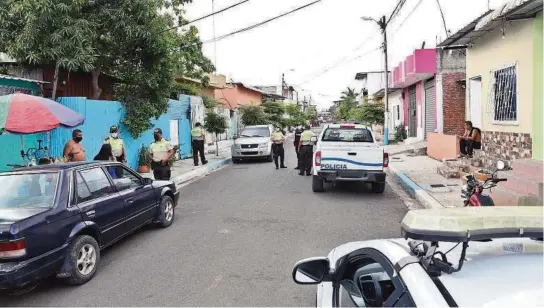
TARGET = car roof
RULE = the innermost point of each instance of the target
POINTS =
(338, 125)
(61, 166)
(510, 267)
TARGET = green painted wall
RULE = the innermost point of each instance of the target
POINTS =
(20, 84)
(538, 98)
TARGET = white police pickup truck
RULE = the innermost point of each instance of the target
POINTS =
(349, 152)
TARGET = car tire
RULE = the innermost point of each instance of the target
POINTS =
(82, 257)
(166, 212)
(270, 158)
(317, 184)
(378, 188)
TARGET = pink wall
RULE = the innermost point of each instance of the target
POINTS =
(405, 106)
(425, 60)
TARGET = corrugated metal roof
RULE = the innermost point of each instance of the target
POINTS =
(21, 79)
(512, 10)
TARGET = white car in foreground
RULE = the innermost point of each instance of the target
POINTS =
(452, 257)
(349, 152)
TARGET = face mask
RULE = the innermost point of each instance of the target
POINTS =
(277, 129)
(157, 137)
(114, 135)
(78, 139)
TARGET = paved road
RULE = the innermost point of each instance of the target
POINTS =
(237, 234)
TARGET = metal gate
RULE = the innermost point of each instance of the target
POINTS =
(412, 112)
(429, 107)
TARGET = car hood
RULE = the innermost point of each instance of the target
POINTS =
(9, 216)
(251, 140)
(159, 184)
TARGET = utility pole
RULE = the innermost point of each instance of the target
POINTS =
(282, 84)
(383, 26)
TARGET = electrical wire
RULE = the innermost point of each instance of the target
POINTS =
(407, 17)
(260, 23)
(204, 17)
(396, 11)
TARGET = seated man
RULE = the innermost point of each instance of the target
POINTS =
(471, 139)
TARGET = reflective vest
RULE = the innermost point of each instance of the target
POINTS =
(197, 133)
(306, 137)
(277, 136)
(159, 149)
(116, 146)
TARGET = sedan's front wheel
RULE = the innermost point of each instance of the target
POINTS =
(166, 214)
(83, 257)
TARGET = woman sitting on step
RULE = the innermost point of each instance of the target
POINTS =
(471, 139)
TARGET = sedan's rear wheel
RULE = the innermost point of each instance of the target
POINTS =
(83, 257)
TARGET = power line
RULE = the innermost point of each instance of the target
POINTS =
(407, 17)
(337, 65)
(260, 23)
(204, 17)
(396, 11)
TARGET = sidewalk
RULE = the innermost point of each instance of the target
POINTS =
(419, 177)
(184, 171)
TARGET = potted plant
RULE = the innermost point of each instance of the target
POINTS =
(144, 159)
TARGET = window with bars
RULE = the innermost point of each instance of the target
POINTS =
(503, 95)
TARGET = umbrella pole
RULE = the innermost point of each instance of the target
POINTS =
(22, 148)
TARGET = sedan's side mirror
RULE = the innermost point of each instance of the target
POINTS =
(311, 271)
(147, 181)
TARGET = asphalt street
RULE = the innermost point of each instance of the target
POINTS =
(236, 235)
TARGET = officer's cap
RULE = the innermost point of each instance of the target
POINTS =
(113, 129)
(157, 131)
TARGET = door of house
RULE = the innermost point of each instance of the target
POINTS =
(412, 112)
(475, 100)
(429, 107)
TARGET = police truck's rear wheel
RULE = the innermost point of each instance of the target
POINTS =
(317, 184)
(378, 188)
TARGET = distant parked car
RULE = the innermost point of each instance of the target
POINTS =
(253, 142)
(55, 219)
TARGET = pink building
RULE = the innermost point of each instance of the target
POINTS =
(415, 79)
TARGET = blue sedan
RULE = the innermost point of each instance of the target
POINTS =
(55, 219)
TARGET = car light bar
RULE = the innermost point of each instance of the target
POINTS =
(473, 223)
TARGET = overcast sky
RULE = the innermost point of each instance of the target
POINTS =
(317, 37)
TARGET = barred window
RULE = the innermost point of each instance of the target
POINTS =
(503, 100)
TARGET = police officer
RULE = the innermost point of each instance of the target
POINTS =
(298, 131)
(277, 147)
(117, 145)
(306, 150)
(197, 134)
(161, 150)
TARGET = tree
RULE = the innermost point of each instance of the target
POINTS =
(296, 117)
(216, 124)
(253, 115)
(370, 113)
(274, 113)
(47, 32)
(348, 102)
(132, 40)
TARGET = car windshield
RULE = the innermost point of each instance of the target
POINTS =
(255, 132)
(348, 135)
(28, 190)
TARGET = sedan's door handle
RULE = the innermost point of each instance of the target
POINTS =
(130, 201)
(352, 153)
(90, 213)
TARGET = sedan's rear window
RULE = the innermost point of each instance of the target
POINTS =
(347, 135)
(28, 190)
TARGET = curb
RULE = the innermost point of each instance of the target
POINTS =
(200, 172)
(416, 192)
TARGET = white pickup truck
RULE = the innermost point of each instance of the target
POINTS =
(349, 152)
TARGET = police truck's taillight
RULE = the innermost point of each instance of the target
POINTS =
(318, 158)
(12, 249)
(385, 160)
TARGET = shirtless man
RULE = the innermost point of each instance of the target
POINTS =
(73, 150)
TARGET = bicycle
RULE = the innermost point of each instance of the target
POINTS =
(35, 153)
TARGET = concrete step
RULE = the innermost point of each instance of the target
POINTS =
(522, 185)
(503, 197)
(530, 169)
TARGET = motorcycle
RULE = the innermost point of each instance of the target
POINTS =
(472, 191)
